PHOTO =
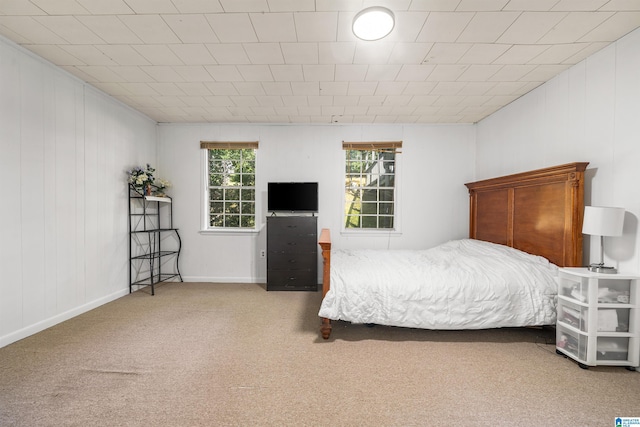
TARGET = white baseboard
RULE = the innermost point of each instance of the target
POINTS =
(59, 318)
(224, 279)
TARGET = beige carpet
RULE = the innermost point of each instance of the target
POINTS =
(202, 354)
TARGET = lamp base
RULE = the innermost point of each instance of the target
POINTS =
(602, 269)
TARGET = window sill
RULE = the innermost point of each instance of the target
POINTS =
(231, 231)
(368, 233)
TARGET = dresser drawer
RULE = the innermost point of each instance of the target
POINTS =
(290, 245)
(291, 226)
(291, 261)
(291, 280)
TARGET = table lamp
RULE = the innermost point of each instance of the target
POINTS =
(602, 221)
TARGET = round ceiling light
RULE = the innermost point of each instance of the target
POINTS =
(373, 23)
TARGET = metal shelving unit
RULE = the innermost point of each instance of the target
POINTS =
(154, 245)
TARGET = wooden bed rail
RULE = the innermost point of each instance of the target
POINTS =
(325, 244)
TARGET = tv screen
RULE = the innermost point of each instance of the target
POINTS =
(292, 197)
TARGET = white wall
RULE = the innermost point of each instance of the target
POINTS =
(435, 163)
(589, 113)
(64, 149)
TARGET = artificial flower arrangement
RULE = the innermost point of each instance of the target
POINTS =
(143, 181)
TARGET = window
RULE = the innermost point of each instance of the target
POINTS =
(231, 182)
(370, 178)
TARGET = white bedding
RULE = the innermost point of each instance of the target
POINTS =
(461, 284)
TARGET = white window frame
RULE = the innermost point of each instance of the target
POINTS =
(205, 227)
(396, 230)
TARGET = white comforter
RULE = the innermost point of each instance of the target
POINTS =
(461, 284)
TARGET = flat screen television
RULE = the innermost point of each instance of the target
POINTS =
(292, 197)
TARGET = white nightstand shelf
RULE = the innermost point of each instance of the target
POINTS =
(598, 321)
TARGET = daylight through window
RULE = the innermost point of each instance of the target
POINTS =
(370, 178)
(231, 195)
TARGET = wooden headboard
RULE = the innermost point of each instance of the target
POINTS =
(539, 212)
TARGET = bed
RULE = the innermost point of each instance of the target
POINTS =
(522, 227)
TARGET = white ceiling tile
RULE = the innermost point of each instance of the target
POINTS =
(362, 88)
(152, 6)
(305, 88)
(542, 73)
(487, 27)
(193, 73)
(446, 72)
(69, 29)
(382, 72)
(334, 88)
(228, 53)
(162, 73)
(412, 72)
(131, 74)
(574, 26)
(481, 5)
(224, 73)
(448, 88)
(300, 53)
(194, 88)
(511, 73)
(110, 29)
(102, 7)
(264, 53)
(55, 54)
(232, 28)
(531, 6)
(295, 101)
(626, 5)
(19, 7)
(483, 53)
(319, 73)
(409, 53)
(150, 29)
(60, 7)
(197, 6)
(613, 28)
(520, 54)
(88, 54)
(171, 89)
(390, 88)
(221, 88)
(446, 53)
(277, 88)
(476, 88)
(100, 73)
(31, 30)
(558, 54)
(530, 27)
(158, 54)
(291, 5)
(506, 88)
(287, 73)
(316, 27)
(193, 28)
(193, 54)
(249, 88)
(434, 5)
(255, 73)
(573, 5)
(113, 88)
(444, 26)
(353, 73)
(123, 54)
(407, 27)
(590, 49)
(245, 5)
(372, 53)
(274, 27)
(336, 53)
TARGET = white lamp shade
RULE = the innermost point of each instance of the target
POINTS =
(603, 221)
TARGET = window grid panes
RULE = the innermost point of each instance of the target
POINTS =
(369, 189)
(232, 192)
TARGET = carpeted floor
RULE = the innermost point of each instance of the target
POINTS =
(202, 354)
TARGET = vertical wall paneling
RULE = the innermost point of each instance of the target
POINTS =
(64, 147)
(10, 208)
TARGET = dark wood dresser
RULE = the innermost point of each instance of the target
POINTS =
(292, 254)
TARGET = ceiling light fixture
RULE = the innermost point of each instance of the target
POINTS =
(373, 23)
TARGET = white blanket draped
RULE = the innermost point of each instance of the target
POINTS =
(461, 284)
